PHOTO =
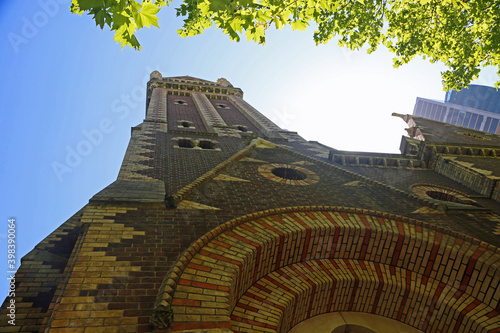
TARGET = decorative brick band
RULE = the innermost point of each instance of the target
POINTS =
(376, 161)
(214, 276)
(465, 175)
(488, 152)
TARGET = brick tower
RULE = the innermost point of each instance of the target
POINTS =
(221, 221)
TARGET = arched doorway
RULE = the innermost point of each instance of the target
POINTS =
(271, 270)
(351, 322)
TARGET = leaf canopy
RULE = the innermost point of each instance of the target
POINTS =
(464, 35)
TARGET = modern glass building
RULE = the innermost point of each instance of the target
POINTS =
(476, 97)
(459, 115)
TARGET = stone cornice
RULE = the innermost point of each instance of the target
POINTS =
(183, 85)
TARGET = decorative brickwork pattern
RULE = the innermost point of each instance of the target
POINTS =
(41, 271)
(266, 126)
(331, 259)
(477, 181)
(132, 190)
(495, 218)
(439, 194)
(233, 117)
(182, 108)
(375, 161)
(316, 149)
(454, 150)
(207, 111)
(83, 303)
(136, 158)
(496, 192)
(300, 291)
(157, 109)
(154, 250)
(310, 178)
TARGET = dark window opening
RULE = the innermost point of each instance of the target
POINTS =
(242, 128)
(287, 173)
(449, 197)
(222, 106)
(184, 143)
(206, 145)
(180, 102)
(185, 124)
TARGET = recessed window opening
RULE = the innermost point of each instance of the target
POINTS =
(185, 124)
(287, 173)
(180, 103)
(242, 128)
(448, 197)
(206, 145)
(184, 143)
(222, 106)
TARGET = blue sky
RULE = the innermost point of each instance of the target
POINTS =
(63, 78)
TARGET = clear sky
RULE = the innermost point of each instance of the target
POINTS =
(62, 78)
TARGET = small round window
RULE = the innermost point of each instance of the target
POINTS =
(288, 174)
(443, 196)
(435, 193)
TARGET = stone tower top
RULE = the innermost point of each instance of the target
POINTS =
(223, 82)
(155, 75)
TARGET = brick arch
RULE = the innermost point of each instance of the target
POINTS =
(287, 296)
(412, 269)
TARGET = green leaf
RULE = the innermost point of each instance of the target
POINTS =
(120, 20)
(217, 5)
(102, 17)
(278, 23)
(299, 25)
(236, 24)
(462, 34)
(263, 17)
(147, 15)
(135, 5)
(90, 4)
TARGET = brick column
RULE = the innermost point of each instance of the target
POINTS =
(157, 110)
(208, 114)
